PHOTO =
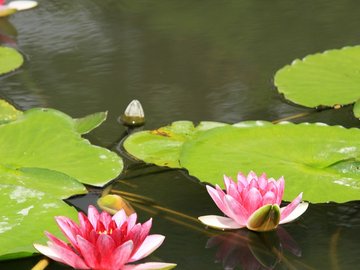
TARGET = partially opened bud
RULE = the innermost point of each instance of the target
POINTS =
(112, 203)
(133, 115)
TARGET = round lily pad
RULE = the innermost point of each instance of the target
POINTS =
(21, 210)
(321, 161)
(162, 146)
(48, 139)
(10, 59)
(324, 79)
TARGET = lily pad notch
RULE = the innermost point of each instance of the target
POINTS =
(329, 79)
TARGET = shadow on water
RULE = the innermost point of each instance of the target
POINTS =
(192, 60)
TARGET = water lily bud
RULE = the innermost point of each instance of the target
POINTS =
(112, 203)
(133, 115)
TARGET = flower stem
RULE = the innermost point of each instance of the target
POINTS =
(41, 265)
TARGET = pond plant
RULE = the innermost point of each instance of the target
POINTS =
(45, 159)
(101, 241)
(252, 202)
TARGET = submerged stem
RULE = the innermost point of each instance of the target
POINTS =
(41, 265)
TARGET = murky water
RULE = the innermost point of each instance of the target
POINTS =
(188, 60)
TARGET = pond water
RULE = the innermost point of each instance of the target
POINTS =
(187, 60)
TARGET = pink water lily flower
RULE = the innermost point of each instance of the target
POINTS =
(104, 242)
(252, 202)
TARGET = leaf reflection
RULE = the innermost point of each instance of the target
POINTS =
(251, 250)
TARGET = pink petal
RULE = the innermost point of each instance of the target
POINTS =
(242, 182)
(251, 176)
(62, 255)
(217, 195)
(88, 252)
(105, 245)
(253, 184)
(285, 211)
(120, 217)
(57, 241)
(227, 181)
(93, 215)
(150, 243)
(49, 252)
(269, 198)
(85, 225)
(105, 218)
(121, 255)
(233, 192)
(134, 235)
(236, 211)
(297, 212)
(149, 266)
(131, 221)
(262, 181)
(281, 187)
(69, 228)
(252, 200)
(219, 222)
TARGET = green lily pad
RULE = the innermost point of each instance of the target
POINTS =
(8, 112)
(25, 215)
(324, 79)
(89, 122)
(321, 161)
(48, 139)
(162, 146)
(357, 109)
(10, 59)
(311, 157)
(57, 184)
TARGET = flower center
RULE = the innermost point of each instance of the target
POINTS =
(105, 232)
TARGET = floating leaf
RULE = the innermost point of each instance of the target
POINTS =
(307, 155)
(324, 79)
(57, 184)
(89, 122)
(162, 146)
(10, 59)
(25, 215)
(357, 109)
(8, 112)
(311, 157)
(46, 138)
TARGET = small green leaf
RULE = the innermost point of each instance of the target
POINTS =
(89, 122)
(10, 59)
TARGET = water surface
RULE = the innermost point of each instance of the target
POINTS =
(187, 60)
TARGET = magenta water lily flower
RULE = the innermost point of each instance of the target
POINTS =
(104, 242)
(252, 202)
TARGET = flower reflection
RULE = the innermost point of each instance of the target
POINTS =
(251, 250)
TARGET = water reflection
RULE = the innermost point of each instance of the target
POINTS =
(250, 250)
(8, 33)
